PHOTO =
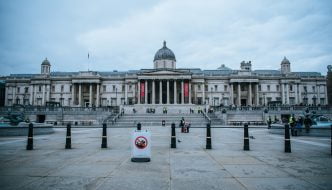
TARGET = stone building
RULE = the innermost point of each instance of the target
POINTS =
(166, 84)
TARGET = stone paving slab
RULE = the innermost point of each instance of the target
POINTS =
(189, 166)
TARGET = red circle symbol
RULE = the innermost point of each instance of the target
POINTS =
(141, 142)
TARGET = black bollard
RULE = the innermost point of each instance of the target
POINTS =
(68, 136)
(287, 139)
(104, 137)
(173, 137)
(30, 137)
(208, 136)
(246, 137)
(139, 126)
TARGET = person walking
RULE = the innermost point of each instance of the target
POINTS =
(307, 123)
(182, 124)
(292, 124)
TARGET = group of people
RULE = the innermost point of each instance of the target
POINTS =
(185, 126)
(296, 124)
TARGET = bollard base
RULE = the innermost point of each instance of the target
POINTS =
(140, 159)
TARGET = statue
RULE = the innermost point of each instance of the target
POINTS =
(329, 68)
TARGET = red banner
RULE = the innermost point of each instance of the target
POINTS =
(142, 89)
(186, 89)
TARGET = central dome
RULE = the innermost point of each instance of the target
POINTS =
(164, 54)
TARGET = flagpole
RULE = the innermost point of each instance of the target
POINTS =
(88, 61)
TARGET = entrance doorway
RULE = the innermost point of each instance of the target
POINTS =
(243, 102)
(41, 118)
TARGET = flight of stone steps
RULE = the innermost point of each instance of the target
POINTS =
(215, 120)
(131, 120)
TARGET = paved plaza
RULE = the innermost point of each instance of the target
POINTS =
(189, 166)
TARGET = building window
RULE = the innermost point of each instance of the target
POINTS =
(26, 89)
(26, 101)
(206, 88)
(70, 88)
(269, 99)
(305, 88)
(113, 88)
(199, 87)
(215, 87)
(291, 88)
(130, 88)
(62, 101)
(62, 88)
(225, 87)
(278, 88)
(18, 90)
(322, 101)
(39, 88)
(259, 88)
(268, 88)
(104, 88)
(313, 89)
(123, 88)
(53, 88)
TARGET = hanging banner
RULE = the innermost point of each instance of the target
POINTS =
(186, 89)
(142, 89)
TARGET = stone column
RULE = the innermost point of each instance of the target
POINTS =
(34, 96)
(287, 93)
(90, 96)
(14, 94)
(295, 94)
(175, 91)
(126, 93)
(182, 93)
(318, 94)
(153, 92)
(48, 93)
(238, 94)
(326, 98)
(167, 91)
(139, 92)
(283, 98)
(203, 90)
(31, 95)
(250, 95)
(160, 92)
(43, 96)
(300, 93)
(146, 92)
(80, 95)
(231, 91)
(257, 95)
(97, 98)
(72, 94)
(189, 83)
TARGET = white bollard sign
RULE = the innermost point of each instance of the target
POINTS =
(141, 146)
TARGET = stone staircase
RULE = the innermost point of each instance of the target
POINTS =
(215, 120)
(131, 120)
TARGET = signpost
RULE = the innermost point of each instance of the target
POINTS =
(141, 146)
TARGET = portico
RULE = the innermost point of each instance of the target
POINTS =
(164, 87)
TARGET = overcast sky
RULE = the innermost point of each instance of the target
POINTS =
(125, 35)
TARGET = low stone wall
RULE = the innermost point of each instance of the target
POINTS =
(22, 129)
(314, 131)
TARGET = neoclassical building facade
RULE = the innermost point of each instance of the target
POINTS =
(166, 84)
